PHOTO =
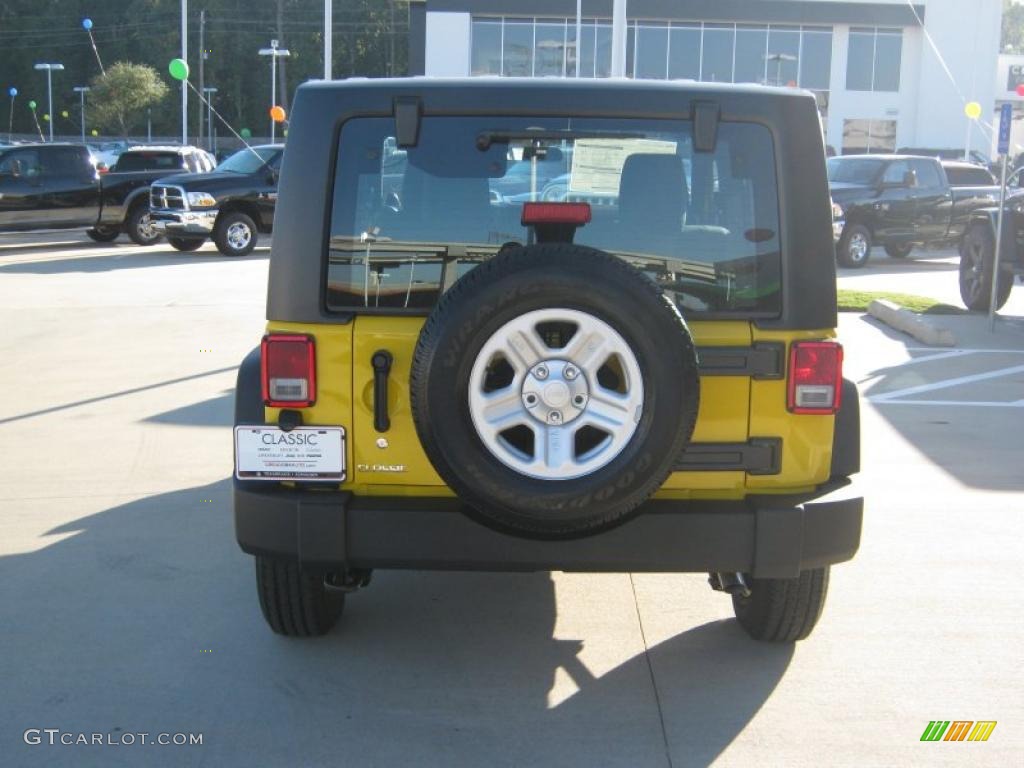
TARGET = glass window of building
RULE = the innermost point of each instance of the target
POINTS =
(486, 48)
(603, 55)
(652, 52)
(888, 53)
(549, 49)
(873, 61)
(816, 58)
(517, 49)
(860, 136)
(717, 53)
(684, 52)
(751, 50)
(783, 55)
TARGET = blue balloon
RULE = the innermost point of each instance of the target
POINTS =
(12, 92)
(87, 23)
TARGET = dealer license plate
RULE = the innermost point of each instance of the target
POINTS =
(304, 453)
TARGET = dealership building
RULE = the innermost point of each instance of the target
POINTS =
(887, 74)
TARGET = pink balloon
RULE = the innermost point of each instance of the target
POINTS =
(1020, 90)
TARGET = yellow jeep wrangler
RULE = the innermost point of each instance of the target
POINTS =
(549, 325)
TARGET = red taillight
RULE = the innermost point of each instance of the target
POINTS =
(555, 213)
(288, 364)
(815, 377)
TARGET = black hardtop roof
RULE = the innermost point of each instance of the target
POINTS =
(554, 85)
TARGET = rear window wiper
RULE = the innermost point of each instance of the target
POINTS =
(485, 139)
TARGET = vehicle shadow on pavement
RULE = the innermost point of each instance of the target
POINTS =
(144, 618)
(960, 439)
(214, 412)
(127, 260)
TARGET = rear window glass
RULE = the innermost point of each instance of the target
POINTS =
(407, 223)
(148, 161)
(964, 176)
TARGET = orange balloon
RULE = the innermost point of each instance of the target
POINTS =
(277, 114)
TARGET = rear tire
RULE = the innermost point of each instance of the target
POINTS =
(295, 602)
(783, 610)
(854, 247)
(139, 226)
(103, 234)
(977, 260)
(235, 234)
(185, 243)
(898, 251)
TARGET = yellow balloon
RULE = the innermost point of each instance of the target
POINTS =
(973, 110)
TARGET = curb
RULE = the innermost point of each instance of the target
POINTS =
(910, 323)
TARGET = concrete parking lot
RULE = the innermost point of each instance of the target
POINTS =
(127, 606)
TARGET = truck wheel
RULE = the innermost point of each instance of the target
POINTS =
(139, 226)
(235, 234)
(103, 234)
(185, 243)
(898, 251)
(295, 602)
(977, 257)
(553, 388)
(854, 247)
(782, 610)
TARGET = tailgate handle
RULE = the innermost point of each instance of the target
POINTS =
(381, 362)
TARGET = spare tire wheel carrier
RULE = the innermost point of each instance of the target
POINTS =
(553, 388)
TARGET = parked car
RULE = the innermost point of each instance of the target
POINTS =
(451, 381)
(233, 204)
(166, 159)
(107, 152)
(899, 202)
(57, 186)
(978, 247)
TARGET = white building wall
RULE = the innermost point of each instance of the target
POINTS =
(967, 37)
(448, 44)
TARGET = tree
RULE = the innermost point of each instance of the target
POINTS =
(119, 97)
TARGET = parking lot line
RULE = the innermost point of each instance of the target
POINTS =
(972, 403)
(945, 384)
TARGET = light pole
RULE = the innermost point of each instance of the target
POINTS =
(208, 93)
(49, 88)
(328, 37)
(12, 92)
(273, 52)
(81, 90)
(184, 82)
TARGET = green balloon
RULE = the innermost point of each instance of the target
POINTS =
(46, 118)
(245, 133)
(31, 105)
(94, 132)
(178, 69)
(64, 113)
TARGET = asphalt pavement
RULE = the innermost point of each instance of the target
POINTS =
(127, 606)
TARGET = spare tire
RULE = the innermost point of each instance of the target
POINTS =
(553, 388)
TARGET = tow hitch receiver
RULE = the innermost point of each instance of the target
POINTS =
(733, 583)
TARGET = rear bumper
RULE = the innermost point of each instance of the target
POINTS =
(184, 223)
(767, 536)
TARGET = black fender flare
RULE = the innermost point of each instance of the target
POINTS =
(249, 390)
(846, 433)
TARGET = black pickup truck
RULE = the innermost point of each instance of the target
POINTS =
(57, 186)
(902, 201)
(234, 204)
